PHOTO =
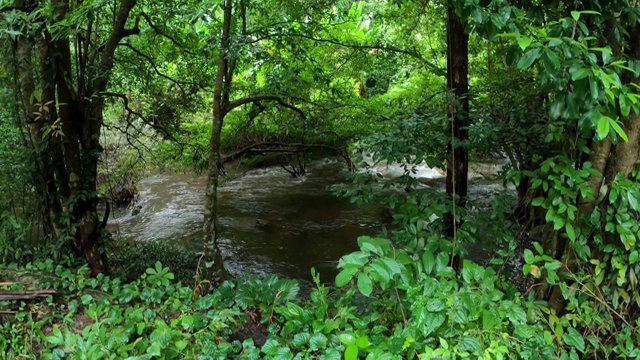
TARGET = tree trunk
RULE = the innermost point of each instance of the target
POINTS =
(609, 160)
(458, 112)
(64, 124)
(213, 258)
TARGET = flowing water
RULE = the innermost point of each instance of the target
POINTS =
(271, 222)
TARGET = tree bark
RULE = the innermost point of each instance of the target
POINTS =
(458, 112)
(67, 156)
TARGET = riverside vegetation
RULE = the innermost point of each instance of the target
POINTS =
(96, 94)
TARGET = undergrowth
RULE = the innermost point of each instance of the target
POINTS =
(389, 304)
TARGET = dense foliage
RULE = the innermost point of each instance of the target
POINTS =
(94, 94)
(432, 313)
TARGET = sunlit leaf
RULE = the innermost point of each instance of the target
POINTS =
(603, 127)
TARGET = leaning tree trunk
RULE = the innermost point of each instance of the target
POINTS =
(65, 120)
(458, 112)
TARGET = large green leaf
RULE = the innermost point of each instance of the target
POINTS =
(528, 59)
(364, 284)
(345, 276)
(573, 338)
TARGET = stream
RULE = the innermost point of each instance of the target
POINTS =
(271, 222)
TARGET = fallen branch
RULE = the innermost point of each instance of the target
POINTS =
(24, 294)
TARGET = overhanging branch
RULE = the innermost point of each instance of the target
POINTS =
(255, 98)
(125, 101)
(155, 68)
(413, 53)
(274, 147)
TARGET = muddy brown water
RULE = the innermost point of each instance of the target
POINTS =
(271, 222)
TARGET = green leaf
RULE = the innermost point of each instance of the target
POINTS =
(363, 342)
(470, 344)
(154, 350)
(345, 276)
(538, 247)
(161, 336)
(553, 265)
(181, 345)
(432, 322)
(442, 260)
(528, 58)
(575, 15)
(436, 305)
(477, 15)
(558, 223)
(301, 339)
(580, 74)
(331, 354)
(284, 353)
(379, 268)
(573, 338)
(393, 266)
(570, 232)
(593, 86)
(632, 196)
(528, 256)
(603, 127)
(357, 258)
(351, 353)
(428, 261)
(614, 124)
(517, 315)
(187, 321)
(86, 299)
(524, 42)
(553, 59)
(318, 341)
(364, 284)
(347, 339)
(270, 347)
(295, 309)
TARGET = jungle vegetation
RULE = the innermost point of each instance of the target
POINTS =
(97, 92)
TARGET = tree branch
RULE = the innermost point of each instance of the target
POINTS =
(155, 68)
(255, 98)
(413, 53)
(169, 37)
(125, 101)
(109, 48)
(274, 147)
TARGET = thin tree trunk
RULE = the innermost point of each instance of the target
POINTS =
(458, 112)
(213, 258)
